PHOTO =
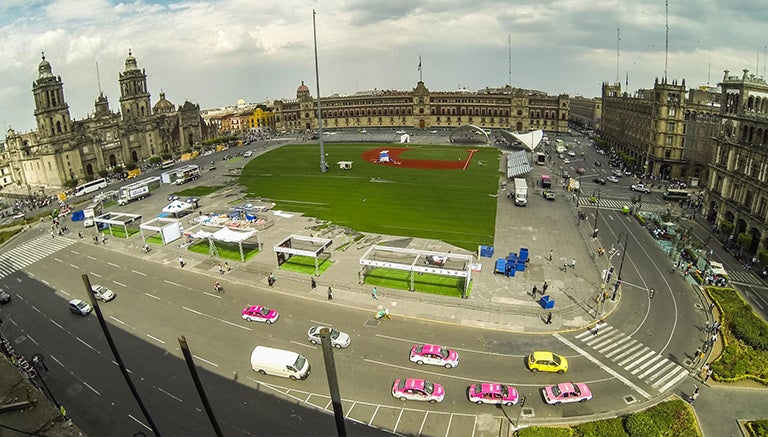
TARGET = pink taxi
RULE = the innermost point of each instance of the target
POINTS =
(492, 393)
(435, 355)
(258, 313)
(566, 392)
(410, 389)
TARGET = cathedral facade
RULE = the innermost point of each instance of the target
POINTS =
(62, 151)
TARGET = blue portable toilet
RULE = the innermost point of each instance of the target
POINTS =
(501, 266)
(510, 270)
(520, 265)
(547, 302)
(524, 254)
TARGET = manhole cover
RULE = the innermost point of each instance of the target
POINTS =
(688, 362)
(630, 399)
(699, 306)
(372, 323)
(527, 412)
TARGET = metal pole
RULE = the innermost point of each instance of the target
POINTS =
(118, 358)
(597, 214)
(198, 385)
(333, 381)
(621, 265)
(323, 164)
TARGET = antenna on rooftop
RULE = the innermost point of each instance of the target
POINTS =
(98, 78)
(509, 39)
(618, 38)
(666, 39)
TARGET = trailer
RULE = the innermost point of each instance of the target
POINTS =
(185, 173)
(90, 213)
(132, 194)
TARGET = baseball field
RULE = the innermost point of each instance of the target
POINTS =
(446, 193)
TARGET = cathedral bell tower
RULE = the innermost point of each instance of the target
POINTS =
(51, 111)
(134, 97)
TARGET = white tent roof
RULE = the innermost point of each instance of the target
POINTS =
(530, 140)
(231, 236)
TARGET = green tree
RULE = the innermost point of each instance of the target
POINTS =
(726, 227)
(744, 240)
(131, 166)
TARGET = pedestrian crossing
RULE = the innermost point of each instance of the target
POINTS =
(619, 204)
(744, 277)
(634, 357)
(30, 252)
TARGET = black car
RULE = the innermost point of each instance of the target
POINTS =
(5, 297)
(600, 181)
(598, 164)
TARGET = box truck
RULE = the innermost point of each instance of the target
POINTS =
(278, 362)
(129, 195)
(521, 192)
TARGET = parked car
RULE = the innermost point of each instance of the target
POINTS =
(548, 194)
(247, 154)
(544, 361)
(598, 164)
(411, 389)
(641, 188)
(79, 307)
(581, 170)
(566, 392)
(492, 393)
(613, 179)
(571, 153)
(258, 313)
(103, 293)
(617, 173)
(600, 181)
(338, 339)
(5, 297)
(435, 355)
(173, 197)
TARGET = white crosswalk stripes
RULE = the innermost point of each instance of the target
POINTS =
(743, 277)
(618, 204)
(640, 361)
(30, 252)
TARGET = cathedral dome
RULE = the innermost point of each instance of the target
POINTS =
(44, 69)
(130, 62)
(302, 88)
(163, 106)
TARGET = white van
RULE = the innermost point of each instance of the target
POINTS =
(278, 362)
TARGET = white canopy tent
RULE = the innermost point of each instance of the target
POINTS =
(120, 219)
(311, 247)
(177, 208)
(529, 140)
(227, 235)
(168, 228)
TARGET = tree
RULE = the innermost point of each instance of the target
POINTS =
(726, 227)
(131, 166)
(744, 240)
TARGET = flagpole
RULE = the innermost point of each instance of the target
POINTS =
(420, 80)
(323, 164)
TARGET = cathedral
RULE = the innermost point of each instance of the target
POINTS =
(62, 151)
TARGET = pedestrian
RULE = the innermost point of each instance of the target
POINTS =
(711, 306)
(534, 291)
(53, 234)
(573, 263)
(704, 369)
(544, 288)
(271, 279)
(104, 239)
(713, 339)
(330, 293)
(706, 326)
(181, 262)
(694, 395)
(373, 293)
(707, 374)
(226, 264)
(549, 318)
(221, 269)
(594, 233)
(550, 254)
(697, 353)
(596, 329)
(313, 283)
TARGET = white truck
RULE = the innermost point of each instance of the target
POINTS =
(521, 192)
(186, 174)
(278, 362)
(90, 213)
(129, 195)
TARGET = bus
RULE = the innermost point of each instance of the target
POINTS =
(167, 164)
(673, 194)
(90, 187)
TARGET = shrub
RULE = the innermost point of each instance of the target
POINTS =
(608, 427)
(697, 277)
(643, 424)
(758, 428)
(545, 431)
(640, 219)
(741, 320)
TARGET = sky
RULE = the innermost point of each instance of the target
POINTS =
(214, 52)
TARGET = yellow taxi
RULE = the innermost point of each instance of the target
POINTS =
(542, 361)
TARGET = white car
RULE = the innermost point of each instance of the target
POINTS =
(103, 293)
(571, 153)
(247, 154)
(641, 188)
(613, 179)
(79, 307)
(338, 339)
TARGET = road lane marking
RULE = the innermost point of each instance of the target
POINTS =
(87, 345)
(138, 272)
(405, 340)
(113, 265)
(639, 360)
(152, 296)
(206, 361)
(75, 252)
(140, 422)
(172, 283)
(93, 389)
(37, 310)
(94, 274)
(92, 258)
(45, 282)
(74, 266)
(602, 366)
(120, 284)
(64, 292)
(674, 381)
(213, 295)
(33, 340)
(58, 260)
(117, 320)
(169, 395)
(217, 319)
(57, 324)
(311, 346)
(155, 338)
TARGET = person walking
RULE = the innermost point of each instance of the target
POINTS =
(549, 318)
(330, 293)
(573, 263)
(694, 395)
(544, 288)
(221, 269)
(550, 254)
(534, 291)
(181, 262)
(373, 293)
(711, 306)
(707, 374)
(313, 283)
(217, 287)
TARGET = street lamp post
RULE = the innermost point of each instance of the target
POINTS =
(621, 264)
(38, 360)
(597, 211)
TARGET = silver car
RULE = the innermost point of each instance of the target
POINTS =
(103, 293)
(79, 307)
(338, 339)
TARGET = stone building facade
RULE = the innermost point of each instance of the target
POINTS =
(660, 131)
(738, 183)
(498, 108)
(62, 149)
(586, 112)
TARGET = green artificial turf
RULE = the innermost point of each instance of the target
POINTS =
(306, 264)
(423, 283)
(455, 206)
(226, 251)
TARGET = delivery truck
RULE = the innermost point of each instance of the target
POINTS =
(129, 195)
(279, 362)
(521, 192)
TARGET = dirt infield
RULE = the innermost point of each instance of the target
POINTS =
(394, 160)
